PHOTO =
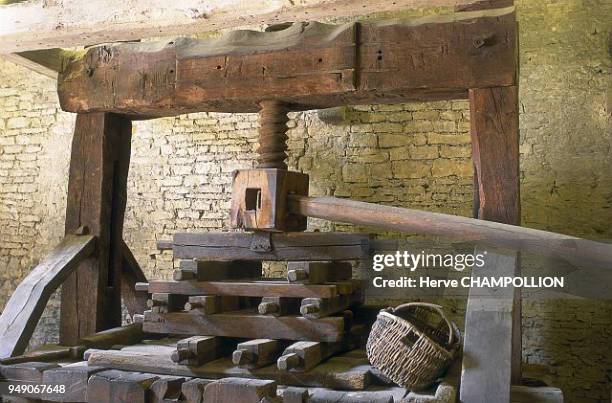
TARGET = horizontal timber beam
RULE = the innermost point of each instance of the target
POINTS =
(306, 66)
(579, 252)
(69, 23)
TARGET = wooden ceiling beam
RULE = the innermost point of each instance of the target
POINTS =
(38, 24)
(306, 66)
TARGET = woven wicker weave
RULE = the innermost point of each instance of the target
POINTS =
(408, 349)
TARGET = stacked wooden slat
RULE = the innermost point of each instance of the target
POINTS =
(218, 296)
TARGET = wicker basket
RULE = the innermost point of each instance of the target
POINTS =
(408, 348)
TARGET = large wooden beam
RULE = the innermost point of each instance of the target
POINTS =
(580, 252)
(96, 199)
(70, 23)
(494, 119)
(306, 66)
(26, 305)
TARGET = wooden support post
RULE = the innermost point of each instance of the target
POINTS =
(495, 150)
(97, 188)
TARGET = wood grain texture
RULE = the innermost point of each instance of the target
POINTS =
(578, 251)
(72, 23)
(135, 301)
(96, 199)
(306, 66)
(350, 371)
(285, 246)
(26, 305)
(494, 120)
(246, 324)
(263, 288)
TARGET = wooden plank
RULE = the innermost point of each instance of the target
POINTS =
(246, 324)
(494, 120)
(131, 274)
(348, 372)
(26, 371)
(580, 252)
(487, 347)
(251, 288)
(315, 308)
(26, 305)
(307, 66)
(285, 246)
(71, 23)
(129, 334)
(97, 187)
(278, 306)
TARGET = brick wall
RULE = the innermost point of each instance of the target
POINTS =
(413, 155)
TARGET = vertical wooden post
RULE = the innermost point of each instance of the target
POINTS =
(495, 149)
(97, 187)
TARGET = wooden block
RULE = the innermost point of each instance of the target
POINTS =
(203, 270)
(278, 306)
(208, 304)
(295, 395)
(263, 288)
(26, 371)
(315, 308)
(239, 390)
(259, 199)
(166, 389)
(74, 377)
(292, 246)
(247, 324)
(193, 390)
(118, 386)
(305, 355)
(349, 371)
(319, 272)
(165, 302)
(257, 353)
(197, 350)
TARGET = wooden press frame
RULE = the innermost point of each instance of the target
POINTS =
(470, 55)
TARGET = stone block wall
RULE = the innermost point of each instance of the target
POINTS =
(413, 155)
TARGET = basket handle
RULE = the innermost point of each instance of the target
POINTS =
(435, 307)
